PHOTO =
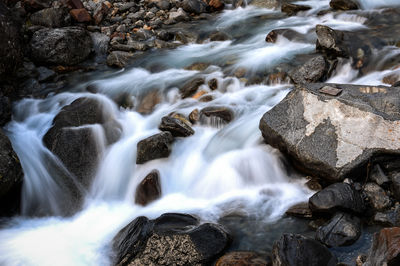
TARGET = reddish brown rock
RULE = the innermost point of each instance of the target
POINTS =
(100, 13)
(75, 4)
(385, 248)
(149, 189)
(80, 15)
(217, 5)
(241, 258)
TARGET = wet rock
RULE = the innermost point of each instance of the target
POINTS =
(270, 4)
(5, 110)
(177, 127)
(292, 9)
(74, 142)
(11, 48)
(51, 18)
(316, 129)
(330, 42)
(222, 113)
(378, 176)
(289, 34)
(154, 147)
(100, 42)
(198, 67)
(388, 218)
(213, 84)
(377, 197)
(149, 189)
(171, 239)
(343, 5)
(194, 116)
(178, 16)
(300, 210)
(342, 230)
(11, 176)
(119, 59)
(395, 185)
(190, 87)
(385, 248)
(45, 74)
(312, 71)
(149, 102)
(339, 196)
(124, 100)
(194, 6)
(63, 46)
(298, 250)
(80, 15)
(219, 37)
(242, 258)
(216, 5)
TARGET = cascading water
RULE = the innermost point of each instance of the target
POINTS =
(221, 169)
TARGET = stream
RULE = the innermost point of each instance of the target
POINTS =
(223, 173)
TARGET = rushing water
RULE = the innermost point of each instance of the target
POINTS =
(221, 170)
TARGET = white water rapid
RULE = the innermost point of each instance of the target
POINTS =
(221, 169)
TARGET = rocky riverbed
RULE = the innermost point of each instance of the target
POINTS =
(199, 132)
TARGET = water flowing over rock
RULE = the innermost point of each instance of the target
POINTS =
(342, 230)
(171, 239)
(315, 126)
(339, 196)
(154, 147)
(385, 248)
(149, 189)
(63, 46)
(10, 177)
(11, 48)
(224, 114)
(299, 250)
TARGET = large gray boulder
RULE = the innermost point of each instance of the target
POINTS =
(10, 177)
(312, 71)
(63, 46)
(334, 131)
(171, 239)
(11, 48)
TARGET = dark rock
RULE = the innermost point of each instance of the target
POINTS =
(343, 4)
(100, 13)
(224, 114)
(34, 5)
(119, 59)
(339, 196)
(330, 42)
(165, 35)
(298, 250)
(11, 48)
(190, 87)
(75, 4)
(11, 176)
(213, 84)
(154, 147)
(315, 131)
(312, 71)
(45, 74)
(149, 102)
(300, 210)
(171, 239)
(177, 127)
(5, 110)
(80, 15)
(242, 258)
(77, 146)
(388, 218)
(149, 189)
(385, 248)
(215, 5)
(64, 46)
(395, 186)
(219, 36)
(342, 230)
(124, 100)
(194, 116)
(377, 197)
(51, 18)
(289, 34)
(195, 6)
(292, 9)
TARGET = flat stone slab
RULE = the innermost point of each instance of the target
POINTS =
(334, 131)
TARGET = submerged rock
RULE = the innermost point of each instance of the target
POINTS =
(177, 127)
(385, 248)
(171, 239)
(339, 196)
(312, 71)
(149, 102)
(301, 210)
(299, 250)
(154, 147)
(149, 189)
(242, 258)
(11, 176)
(63, 46)
(332, 131)
(342, 230)
(119, 59)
